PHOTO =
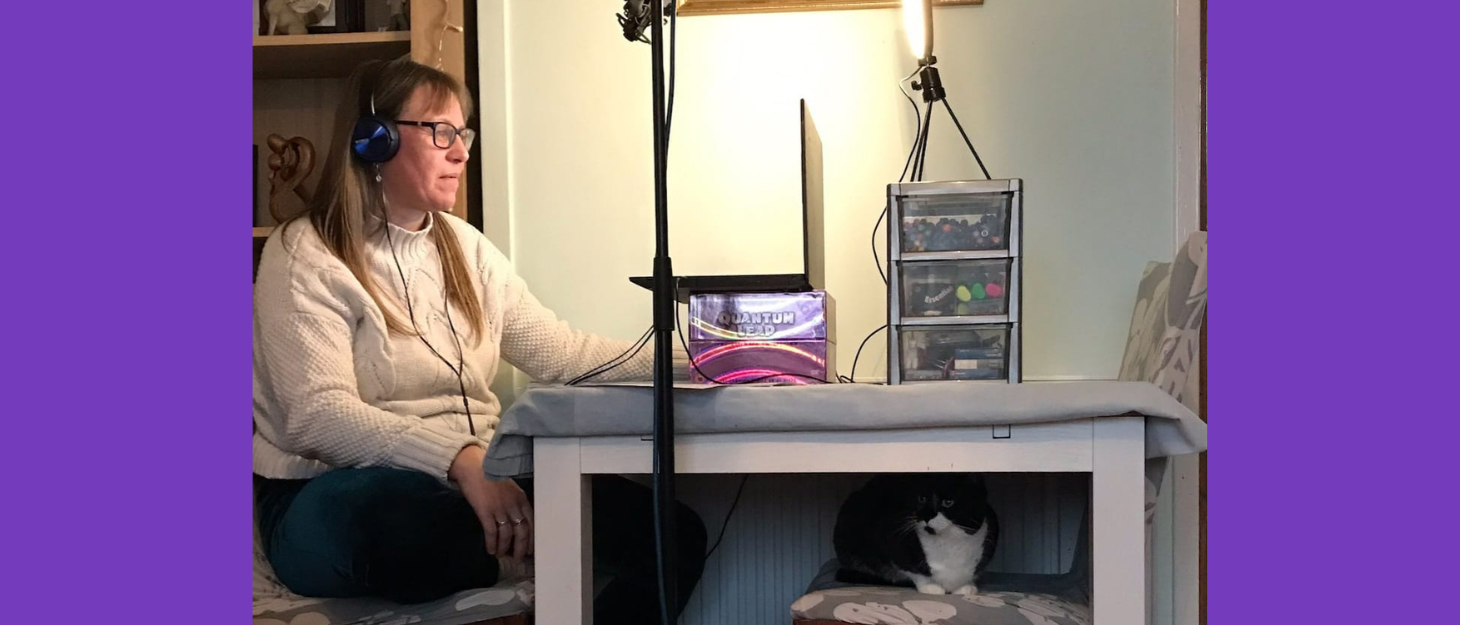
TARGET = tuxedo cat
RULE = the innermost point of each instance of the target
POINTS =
(933, 531)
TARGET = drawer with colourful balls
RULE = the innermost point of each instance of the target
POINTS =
(955, 223)
(963, 353)
(956, 288)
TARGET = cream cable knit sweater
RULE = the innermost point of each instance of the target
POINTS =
(333, 388)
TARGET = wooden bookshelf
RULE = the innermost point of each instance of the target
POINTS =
(323, 56)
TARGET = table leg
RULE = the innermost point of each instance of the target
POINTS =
(1118, 521)
(563, 545)
(1187, 538)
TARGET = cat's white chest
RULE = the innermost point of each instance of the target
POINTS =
(952, 554)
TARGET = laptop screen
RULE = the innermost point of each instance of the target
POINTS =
(757, 210)
(761, 229)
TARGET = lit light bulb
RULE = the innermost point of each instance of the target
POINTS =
(912, 22)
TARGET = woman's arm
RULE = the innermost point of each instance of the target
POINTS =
(543, 346)
(548, 349)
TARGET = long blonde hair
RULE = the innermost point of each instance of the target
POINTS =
(348, 191)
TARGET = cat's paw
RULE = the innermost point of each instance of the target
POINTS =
(967, 591)
(931, 589)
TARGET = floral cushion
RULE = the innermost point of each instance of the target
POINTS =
(274, 604)
(467, 606)
(1003, 599)
(1165, 329)
(905, 606)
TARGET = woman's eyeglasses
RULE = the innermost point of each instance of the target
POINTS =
(444, 134)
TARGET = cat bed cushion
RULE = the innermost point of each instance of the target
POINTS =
(905, 606)
(557, 411)
(467, 606)
(1002, 600)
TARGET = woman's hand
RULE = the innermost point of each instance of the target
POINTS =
(501, 507)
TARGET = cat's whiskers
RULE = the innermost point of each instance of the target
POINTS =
(910, 525)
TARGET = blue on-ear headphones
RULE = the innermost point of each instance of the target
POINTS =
(375, 140)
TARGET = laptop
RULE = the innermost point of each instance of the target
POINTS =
(812, 275)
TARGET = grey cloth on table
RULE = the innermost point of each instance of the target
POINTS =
(561, 411)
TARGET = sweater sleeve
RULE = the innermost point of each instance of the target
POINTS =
(304, 339)
(548, 349)
(545, 347)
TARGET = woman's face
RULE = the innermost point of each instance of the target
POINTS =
(423, 177)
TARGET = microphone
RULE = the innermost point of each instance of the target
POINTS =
(635, 18)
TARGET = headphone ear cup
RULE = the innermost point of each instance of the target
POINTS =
(375, 140)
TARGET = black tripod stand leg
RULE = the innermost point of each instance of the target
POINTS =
(985, 170)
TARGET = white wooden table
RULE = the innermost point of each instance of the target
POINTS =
(1111, 449)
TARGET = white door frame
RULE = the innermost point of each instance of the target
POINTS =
(1180, 602)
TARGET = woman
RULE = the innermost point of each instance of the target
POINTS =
(371, 403)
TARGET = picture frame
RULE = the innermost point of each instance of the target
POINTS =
(258, 211)
(724, 7)
(344, 16)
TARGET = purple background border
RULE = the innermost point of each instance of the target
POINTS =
(1332, 134)
(128, 313)
(1331, 143)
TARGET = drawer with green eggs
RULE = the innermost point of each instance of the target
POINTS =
(958, 288)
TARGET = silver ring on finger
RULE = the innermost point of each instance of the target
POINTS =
(501, 523)
(518, 521)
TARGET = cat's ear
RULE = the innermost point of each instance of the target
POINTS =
(974, 485)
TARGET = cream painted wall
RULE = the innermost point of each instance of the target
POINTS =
(1073, 97)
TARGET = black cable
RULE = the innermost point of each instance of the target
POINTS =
(965, 139)
(923, 145)
(615, 362)
(669, 107)
(875, 258)
(410, 310)
(728, 514)
(917, 149)
(918, 124)
(923, 148)
(859, 351)
(918, 115)
(608, 366)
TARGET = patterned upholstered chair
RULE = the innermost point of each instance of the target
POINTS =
(1161, 348)
(1165, 331)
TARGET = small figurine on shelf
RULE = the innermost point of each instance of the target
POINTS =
(291, 162)
(400, 14)
(283, 19)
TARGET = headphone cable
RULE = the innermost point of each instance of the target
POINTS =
(410, 310)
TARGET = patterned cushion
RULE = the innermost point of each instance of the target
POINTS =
(905, 606)
(1165, 329)
(467, 606)
(1003, 599)
(274, 604)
